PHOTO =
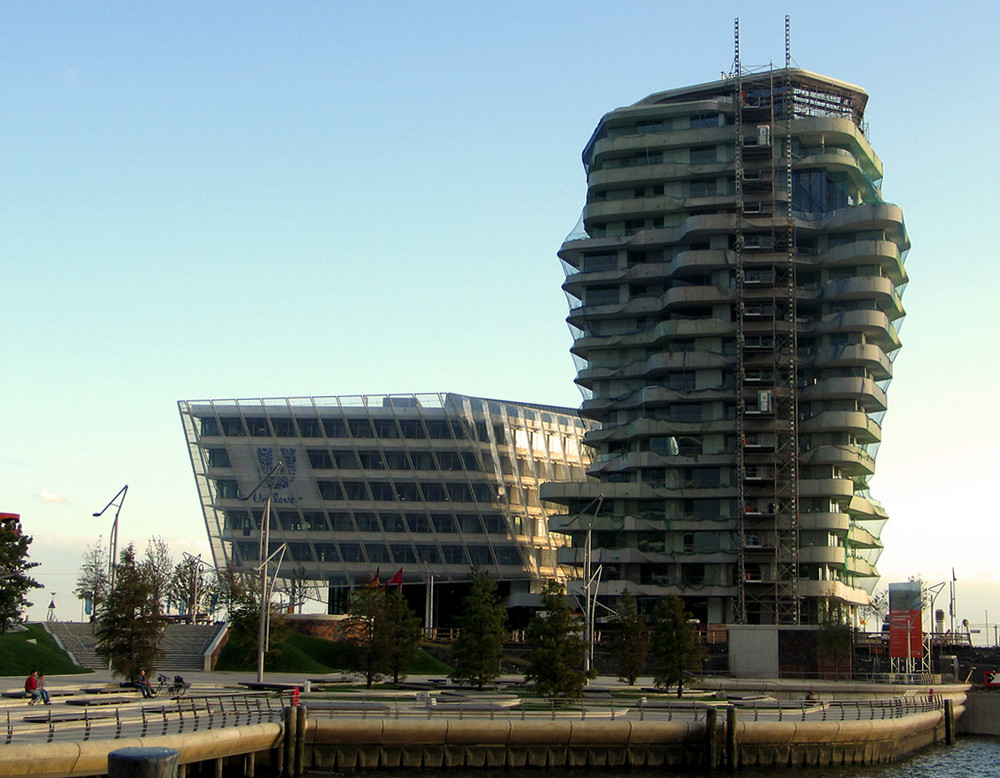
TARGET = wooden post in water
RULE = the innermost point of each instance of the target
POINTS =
(711, 752)
(949, 722)
(732, 750)
(288, 763)
(300, 740)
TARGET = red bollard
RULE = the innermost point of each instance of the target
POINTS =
(295, 696)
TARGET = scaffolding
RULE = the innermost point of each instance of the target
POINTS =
(767, 347)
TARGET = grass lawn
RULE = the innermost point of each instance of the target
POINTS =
(22, 652)
(308, 654)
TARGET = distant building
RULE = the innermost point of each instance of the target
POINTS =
(433, 484)
(735, 293)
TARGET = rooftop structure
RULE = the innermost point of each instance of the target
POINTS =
(734, 288)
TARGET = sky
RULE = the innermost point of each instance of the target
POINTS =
(271, 199)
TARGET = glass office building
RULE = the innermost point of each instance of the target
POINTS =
(435, 485)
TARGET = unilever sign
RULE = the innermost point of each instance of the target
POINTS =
(266, 460)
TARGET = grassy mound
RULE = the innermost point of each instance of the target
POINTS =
(309, 654)
(22, 652)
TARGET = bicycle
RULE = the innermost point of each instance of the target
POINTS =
(175, 688)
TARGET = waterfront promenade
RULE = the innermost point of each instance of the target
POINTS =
(223, 728)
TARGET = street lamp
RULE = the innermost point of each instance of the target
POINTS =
(118, 500)
(265, 593)
(590, 600)
(198, 564)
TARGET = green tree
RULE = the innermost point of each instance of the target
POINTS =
(382, 633)
(369, 643)
(630, 643)
(15, 583)
(191, 588)
(835, 639)
(556, 647)
(92, 581)
(478, 648)
(676, 646)
(404, 626)
(159, 570)
(241, 594)
(130, 626)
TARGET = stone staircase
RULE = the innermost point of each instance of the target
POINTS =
(183, 645)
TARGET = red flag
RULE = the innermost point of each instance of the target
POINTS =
(396, 579)
(374, 582)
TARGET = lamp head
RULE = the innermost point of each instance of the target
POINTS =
(98, 514)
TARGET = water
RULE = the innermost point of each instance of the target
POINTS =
(970, 757)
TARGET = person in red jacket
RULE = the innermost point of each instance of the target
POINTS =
(35, 690)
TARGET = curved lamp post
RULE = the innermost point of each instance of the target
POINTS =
(265, 591)
(118, 500)
(590, 600)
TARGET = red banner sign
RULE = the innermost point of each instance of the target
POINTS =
(905, 636)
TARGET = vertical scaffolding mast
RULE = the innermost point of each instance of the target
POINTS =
(739, 615)
(767, 344)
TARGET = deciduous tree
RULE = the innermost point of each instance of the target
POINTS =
(556, 647)
(15, 583)
(92, 580)
(478, 648)
(676, 646)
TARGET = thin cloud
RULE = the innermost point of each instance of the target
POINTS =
(47, 496)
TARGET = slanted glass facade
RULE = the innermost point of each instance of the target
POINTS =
(433, 484)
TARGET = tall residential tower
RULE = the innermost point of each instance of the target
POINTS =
(734, 288)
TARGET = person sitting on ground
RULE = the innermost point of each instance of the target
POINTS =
(34, 689)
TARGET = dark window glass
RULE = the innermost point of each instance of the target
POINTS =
(209, 427)
(367, 522)
(351, 552)
(319, 459)
(232, 427)
(355, 490)
(330, 490)
(393, 522)
(469, 522)
(258, 428)
(227, 489)
(218, 457)
(335, 428)
(429, 554)
(444, 522)
(283, 428)
(454, 555)
(309, 428)
(341, 521)
(419, 522)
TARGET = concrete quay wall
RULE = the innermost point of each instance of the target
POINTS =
(339, 744)
(90, 758)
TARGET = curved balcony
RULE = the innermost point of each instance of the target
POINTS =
(822, 555)
(838, 134)
(862, 509)
(837, 523)
(826, 487)
(869, 393)
(872, 358)
(859, 537)
(878, 289)
(875, 325)
(852, 460)
(867, 252)
(662, 364)
(834, 590)
(857, 423)
(861, 568)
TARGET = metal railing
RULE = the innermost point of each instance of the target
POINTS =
(609, 709)
(190, 714)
